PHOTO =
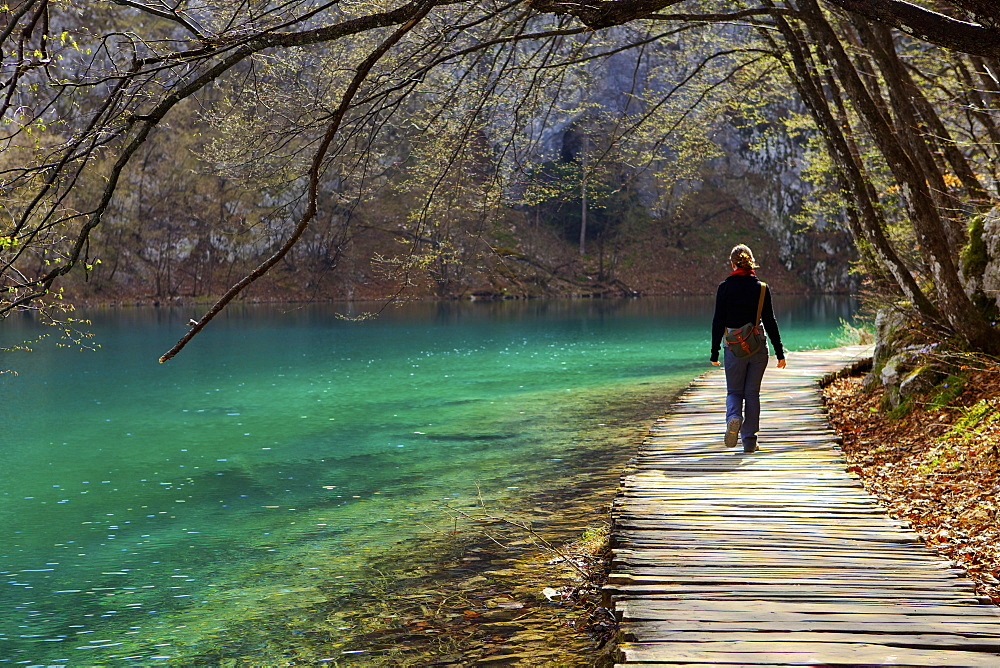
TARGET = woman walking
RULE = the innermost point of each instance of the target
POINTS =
(742, 299)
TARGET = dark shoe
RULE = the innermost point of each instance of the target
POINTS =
(733, 431)
(750, 448)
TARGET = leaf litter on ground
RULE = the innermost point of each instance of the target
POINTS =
(937, 466)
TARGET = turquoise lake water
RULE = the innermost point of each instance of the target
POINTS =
(147, 510)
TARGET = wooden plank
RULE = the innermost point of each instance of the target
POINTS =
(910, 640)
(724, 628)
(779, 557)
(787, 611)
(678, 534)
(823, 607)
(790, 592)
(740, 557)
(774, 652)
(653, 579)
(632, 575)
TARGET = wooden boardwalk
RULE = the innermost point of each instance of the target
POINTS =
(778, 557)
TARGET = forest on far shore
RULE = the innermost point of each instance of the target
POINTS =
(689, 258)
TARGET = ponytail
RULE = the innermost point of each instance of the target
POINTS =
(742, 257)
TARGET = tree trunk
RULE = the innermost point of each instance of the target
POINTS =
(864, 217)
(934, 245)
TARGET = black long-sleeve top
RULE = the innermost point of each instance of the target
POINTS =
(736, 305)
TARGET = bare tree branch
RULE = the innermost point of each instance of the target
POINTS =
(981, 39)
(170, 15)
(931, 26)
(361, 73)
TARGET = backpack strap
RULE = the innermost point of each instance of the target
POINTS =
(760, 303)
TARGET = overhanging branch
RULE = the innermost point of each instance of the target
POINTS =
(598, 14)
(928, 25)
(361, 74)
(982, 39)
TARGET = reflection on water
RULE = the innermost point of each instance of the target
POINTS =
(156, 512)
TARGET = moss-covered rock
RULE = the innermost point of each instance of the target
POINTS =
(920, 380)
(900, 363)
(980, 263)
(890, 326)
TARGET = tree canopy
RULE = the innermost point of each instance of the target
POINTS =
(311, 106)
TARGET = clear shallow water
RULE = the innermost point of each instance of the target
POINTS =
(149, 510)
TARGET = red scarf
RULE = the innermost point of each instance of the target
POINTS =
(741, 271)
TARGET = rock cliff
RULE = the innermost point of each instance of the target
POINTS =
(758, 165)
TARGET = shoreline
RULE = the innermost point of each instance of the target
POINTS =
(494, 611)
(208, 302)
(507, 620)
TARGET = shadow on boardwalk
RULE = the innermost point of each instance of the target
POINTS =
(778, 557)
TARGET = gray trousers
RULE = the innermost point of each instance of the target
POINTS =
(743, 378)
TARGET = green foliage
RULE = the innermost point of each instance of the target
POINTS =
(564, 181)
(594, 540)
(556, 188)
(975, 255)
(70, 332)
(947, 391)
(980, 413)
(974, 260)
(941, 457)
(849, 334)
(899, 412)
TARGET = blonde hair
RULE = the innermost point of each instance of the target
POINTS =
(742, 257)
